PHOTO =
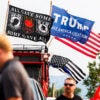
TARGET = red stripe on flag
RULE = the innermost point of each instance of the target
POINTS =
(87, 44)
(97, 35)
(74, 47)
(95, 39)
(82, 47)
(94, 43)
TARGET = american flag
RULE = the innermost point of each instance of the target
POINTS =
(67, 66)
(91, 48)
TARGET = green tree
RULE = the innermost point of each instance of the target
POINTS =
(59, 91)
(93, 80)
(50, 92)
(78, 91)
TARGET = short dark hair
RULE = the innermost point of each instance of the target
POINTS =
(70, 78)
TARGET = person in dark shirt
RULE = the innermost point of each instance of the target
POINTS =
(14, 83)
(69, 88)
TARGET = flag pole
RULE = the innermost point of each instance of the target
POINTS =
(50, 8)
(52, 37)
(6, 16)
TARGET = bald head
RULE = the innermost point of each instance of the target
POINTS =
(5, 43)
(5, 50)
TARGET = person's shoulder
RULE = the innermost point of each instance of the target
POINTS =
(13, 67)
(15, 71)
(15, 63)
(60, 97)
(78, 97)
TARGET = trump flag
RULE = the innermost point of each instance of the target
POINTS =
(69, 26)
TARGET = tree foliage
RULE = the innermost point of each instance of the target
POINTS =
(93, 80)
(78, 91)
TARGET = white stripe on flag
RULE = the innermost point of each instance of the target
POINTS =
(68, 74)
(90, 48)
(73, 72)
(76, 69)
(75, 45)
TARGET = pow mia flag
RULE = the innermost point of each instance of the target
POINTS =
(28, 25)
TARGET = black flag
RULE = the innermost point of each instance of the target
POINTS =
(28, 25)
(67, 66)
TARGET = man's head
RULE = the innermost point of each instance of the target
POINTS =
(69, 85)
(5, 49)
